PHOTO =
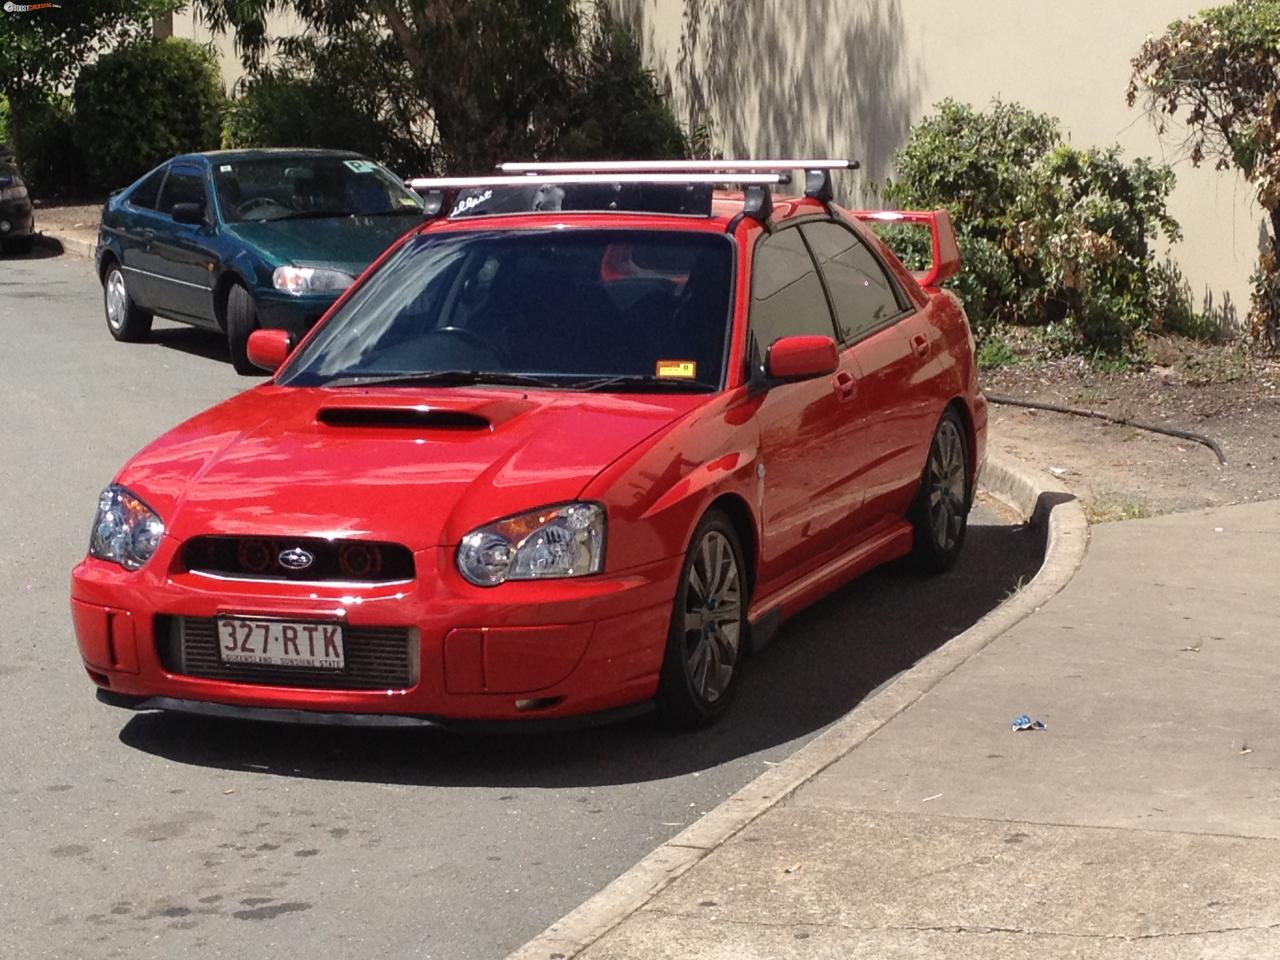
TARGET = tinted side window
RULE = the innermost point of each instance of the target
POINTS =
(183, 186)
(863, 294)
(147, 192)
(786, 294)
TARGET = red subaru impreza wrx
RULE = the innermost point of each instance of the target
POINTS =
(572, 447)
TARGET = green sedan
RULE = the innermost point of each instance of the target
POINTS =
(235, 240)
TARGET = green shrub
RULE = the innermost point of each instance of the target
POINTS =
(4, 120)
(140, 105)
(1047, 232)
(348, 91)
(1174, 310)
(281, 111)
(46, 148)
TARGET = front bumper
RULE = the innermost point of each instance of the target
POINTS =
(284, 311)
(17, 219)
(522, 651)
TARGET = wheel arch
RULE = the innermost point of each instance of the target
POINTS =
(744, 524)
(221, 291)
(971, 437)
(109, 256)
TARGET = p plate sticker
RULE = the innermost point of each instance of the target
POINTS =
(677, 369)
(359, 166)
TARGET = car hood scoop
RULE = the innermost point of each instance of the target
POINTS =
(419, 417)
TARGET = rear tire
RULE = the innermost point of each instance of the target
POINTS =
(126, 321)
(707, 639)
(940, 514)
(242, 320)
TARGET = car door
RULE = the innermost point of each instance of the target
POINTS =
(182, 258)
(875, 319)
(808, 498)
(135, 229)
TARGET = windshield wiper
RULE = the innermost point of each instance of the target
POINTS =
(442, 378)
(641, 382)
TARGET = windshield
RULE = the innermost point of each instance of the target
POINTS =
(575, 308)
(281, 188)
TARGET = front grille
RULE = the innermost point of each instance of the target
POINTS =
(376, 658)
(260, 558)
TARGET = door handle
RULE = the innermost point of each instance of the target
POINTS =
(920, 344)
(845, 385)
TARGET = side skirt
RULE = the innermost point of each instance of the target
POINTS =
(769, 613)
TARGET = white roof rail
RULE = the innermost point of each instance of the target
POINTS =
(463, 183)
(675, 166)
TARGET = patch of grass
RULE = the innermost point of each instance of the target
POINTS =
(995, 353)
(1106, 508)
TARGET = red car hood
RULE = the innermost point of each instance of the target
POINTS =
(417, 467)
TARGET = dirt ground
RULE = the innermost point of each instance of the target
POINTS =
(78, 221)
(1121, 472)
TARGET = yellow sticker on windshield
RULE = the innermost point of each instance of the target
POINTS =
(407, 202)
(677, 369)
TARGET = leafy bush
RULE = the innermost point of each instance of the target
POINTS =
(1174, 310)
(1047, 232)
(46, 148)
(140, 105)
(273, 110)
(350, 90)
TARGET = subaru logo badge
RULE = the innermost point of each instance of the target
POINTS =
(295, 558)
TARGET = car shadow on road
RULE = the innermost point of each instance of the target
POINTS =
(820, 666)
(196, 341)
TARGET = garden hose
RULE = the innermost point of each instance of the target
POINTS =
(1123, 421)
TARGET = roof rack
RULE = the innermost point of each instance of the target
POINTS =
(675, 166)
(658, 186)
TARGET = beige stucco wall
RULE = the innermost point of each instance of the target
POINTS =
(847, 77)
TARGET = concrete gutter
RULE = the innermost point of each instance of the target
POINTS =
(1039, 498)
(64, 243)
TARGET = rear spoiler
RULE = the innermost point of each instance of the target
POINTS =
(946, 252)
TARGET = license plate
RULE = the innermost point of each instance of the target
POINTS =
(280, 643)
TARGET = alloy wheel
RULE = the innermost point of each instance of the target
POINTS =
(117, 300)
(713, 617)
(948, 478)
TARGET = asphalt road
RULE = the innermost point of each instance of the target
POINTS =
(158, 836)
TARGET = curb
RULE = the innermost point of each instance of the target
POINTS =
(1039, 498)
(72, 245)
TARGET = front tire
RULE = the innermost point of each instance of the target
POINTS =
(706, 642)
(242, 320)
(126, 321)
(940, 514)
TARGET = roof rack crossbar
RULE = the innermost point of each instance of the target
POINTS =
(462, 183)
(677, 166)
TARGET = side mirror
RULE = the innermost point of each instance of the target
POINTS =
(801, 358)
(192, 213)
(268, 349)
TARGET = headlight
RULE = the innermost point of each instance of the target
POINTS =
(561, 541)
(13, 193)
(125, 531)
(300, 280)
